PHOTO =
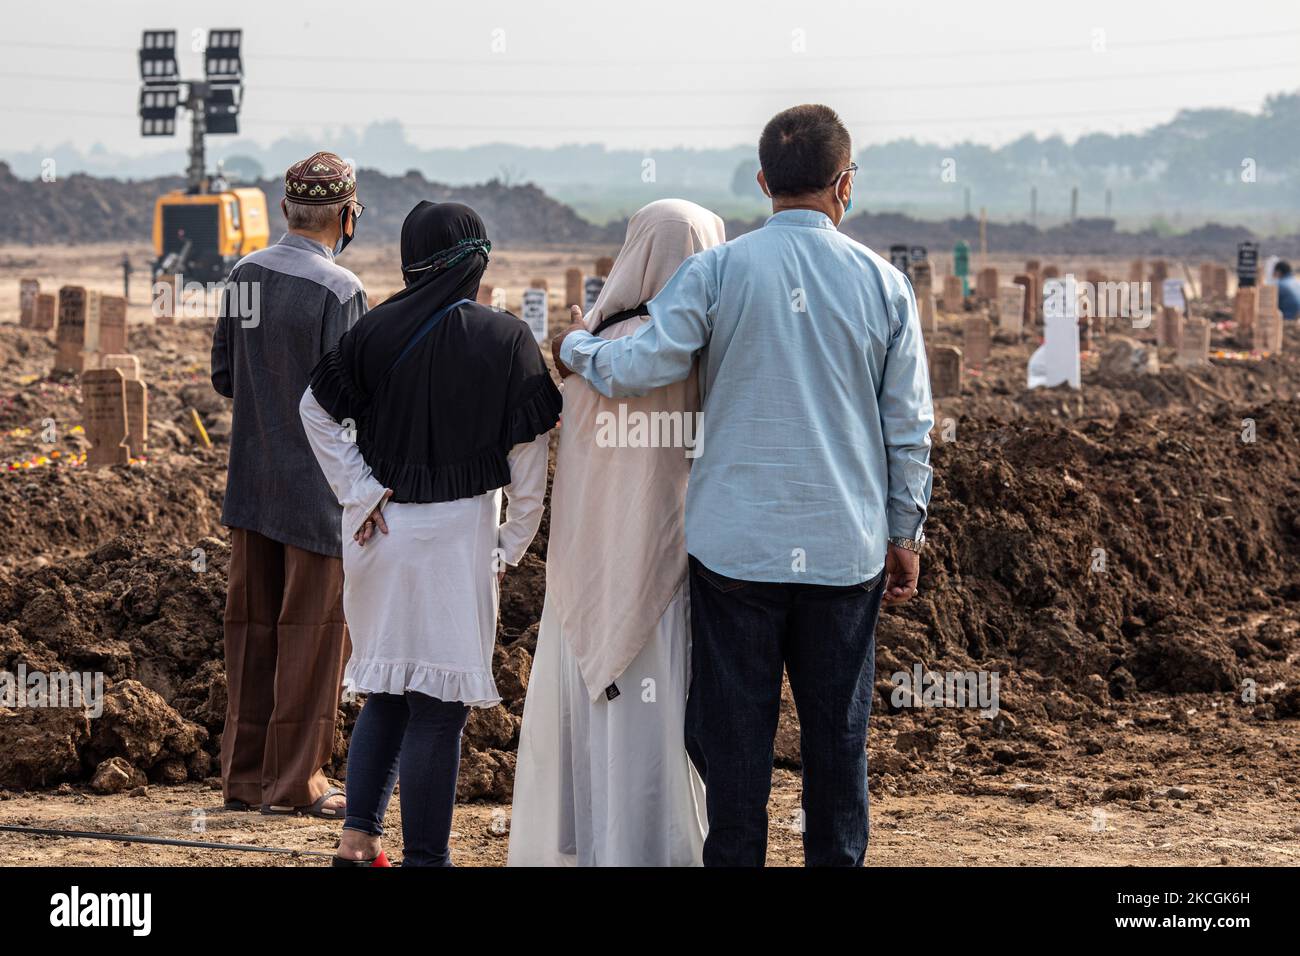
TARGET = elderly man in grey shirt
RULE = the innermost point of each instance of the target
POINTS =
(286, 640)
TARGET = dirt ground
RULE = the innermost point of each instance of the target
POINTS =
(1149, 712)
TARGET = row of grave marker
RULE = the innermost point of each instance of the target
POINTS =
(91, 340)
(579, 289)
(87, 324)
(1255, 312)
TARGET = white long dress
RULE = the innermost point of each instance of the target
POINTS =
(421, 601)
(608, 783)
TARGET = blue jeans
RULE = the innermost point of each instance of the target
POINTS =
(743, 633)
(419, 737)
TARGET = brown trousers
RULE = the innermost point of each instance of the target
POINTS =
(286, 644)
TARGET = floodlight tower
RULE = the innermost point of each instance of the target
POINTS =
(213, 102)
(202, 231)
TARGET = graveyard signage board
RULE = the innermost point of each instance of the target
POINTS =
(1247, 263)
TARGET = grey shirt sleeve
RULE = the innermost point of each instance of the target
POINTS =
(221, 379)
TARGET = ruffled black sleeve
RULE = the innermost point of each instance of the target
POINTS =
(333, 387)
(533, 403)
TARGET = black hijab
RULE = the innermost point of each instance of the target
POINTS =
(437, 408)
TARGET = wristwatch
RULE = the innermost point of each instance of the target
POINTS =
(910, 544)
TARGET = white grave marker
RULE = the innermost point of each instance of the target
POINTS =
(591, 287)
(1057, 359)
(535, 308)
(1172, 294)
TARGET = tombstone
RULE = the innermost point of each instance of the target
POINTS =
(986, 284)
(925, 305)
(573, 287)
(539, 284)
(103, 398)
(1137, 271)
(47, 310)
(961, 264)
(1169, 330)
(976, 339)
(1267, 336)
(1030, 285)
(922, 275)
(899, 258)
(1247, 264)
(591, 287)
(499, 301)
(1033, 265)
(1244, 309)
(1051, 272)
(1172, 294)
(1220, 284)
(604, 265)
(1266, 299)
(484, 294)
(918, 254)
(536, 306)
(1056, 361)
(1206, 277)
(1159, 273)
(1268, 321)
(945, 371)
(954, 299)
(137, 417)
(127, 364)
(112, 325)
(922, 285)
(28, 290)
(76, 307)
(1194, 347)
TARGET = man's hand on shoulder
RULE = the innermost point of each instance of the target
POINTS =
(902, 569)
(575, 325)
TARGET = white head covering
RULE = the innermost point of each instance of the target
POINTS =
(617, 547)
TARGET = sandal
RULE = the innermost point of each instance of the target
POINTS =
(380, 860)
(316, 809)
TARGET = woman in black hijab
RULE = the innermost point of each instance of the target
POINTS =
(427, 409)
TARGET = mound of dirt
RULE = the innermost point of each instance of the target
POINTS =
(81, 209)
(1087, 566)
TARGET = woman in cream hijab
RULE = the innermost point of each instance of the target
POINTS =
(603, 778)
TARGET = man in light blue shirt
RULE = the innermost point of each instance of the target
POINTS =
(806, 502)
(1288, 290)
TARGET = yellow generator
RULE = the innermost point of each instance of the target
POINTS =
(202, 235)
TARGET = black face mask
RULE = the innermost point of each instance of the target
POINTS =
(344, 238)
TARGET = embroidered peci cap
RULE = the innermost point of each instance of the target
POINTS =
(320, 178)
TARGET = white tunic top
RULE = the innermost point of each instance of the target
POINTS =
(421, 601)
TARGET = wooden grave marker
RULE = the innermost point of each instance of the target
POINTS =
(103, 397)
(47, 312)
(945, 371)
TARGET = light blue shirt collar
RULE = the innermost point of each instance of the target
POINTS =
(800, 217)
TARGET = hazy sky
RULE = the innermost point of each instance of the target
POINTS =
(645, 75)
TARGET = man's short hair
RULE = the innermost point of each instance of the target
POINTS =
(802, 149)
(315, 218)
(1282, 269)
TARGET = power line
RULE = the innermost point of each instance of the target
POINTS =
(697, 92)
(507, 60)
